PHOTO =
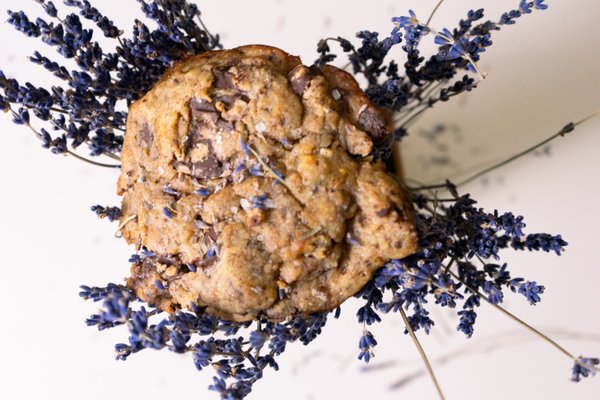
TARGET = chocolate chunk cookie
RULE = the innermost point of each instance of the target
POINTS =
(247, 176)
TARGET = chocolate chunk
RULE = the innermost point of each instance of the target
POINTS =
(224, 125)
(300, 78)
(227, 92)
(204, 118)
(383, 212)
(229, 99)
(202, 105)
(146, 136)
(373, 122)
(223, 79)
(204, 113)
(202, 122)
(401, 215)
(209, 168)
(166, 260)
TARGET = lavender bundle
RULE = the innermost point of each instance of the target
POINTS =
(458, 264)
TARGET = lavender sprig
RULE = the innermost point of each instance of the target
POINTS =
(237, 353)
(453, 235)
(112, 213)
(584, 367)
(90, 107)
(427, 80)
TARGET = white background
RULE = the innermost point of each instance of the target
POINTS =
(543, 72)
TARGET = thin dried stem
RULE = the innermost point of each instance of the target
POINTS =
(268, 168)
(422, 353)
(92, 162)
(433, 12)
(566, 129)
(69, 152)
(119, 233)
(516, 319)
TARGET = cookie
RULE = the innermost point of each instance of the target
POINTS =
(248, 178)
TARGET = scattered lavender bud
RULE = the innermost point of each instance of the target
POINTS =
(202, 192)
(168, 212)
(112, 213)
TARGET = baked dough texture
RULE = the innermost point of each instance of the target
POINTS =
(247, 177)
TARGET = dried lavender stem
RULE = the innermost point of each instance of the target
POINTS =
(566, 129)
(433, 12)
(422, 353)
(97, 164)
(516, 319)
(69, 152)
(118, 233)
(269, 169)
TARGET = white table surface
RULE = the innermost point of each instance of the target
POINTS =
(543, 72)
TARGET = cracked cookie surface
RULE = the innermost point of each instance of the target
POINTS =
(252, 187)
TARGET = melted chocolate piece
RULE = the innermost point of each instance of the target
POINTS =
(206, 121)
(166, 260)
(204, 118)
(206, 115)
(223, 79)
(227, 92)
(227, 99)
(201, 121)
(300, 78)
(383, 212)
(202, 105)
(224, 125)
(209, 168)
